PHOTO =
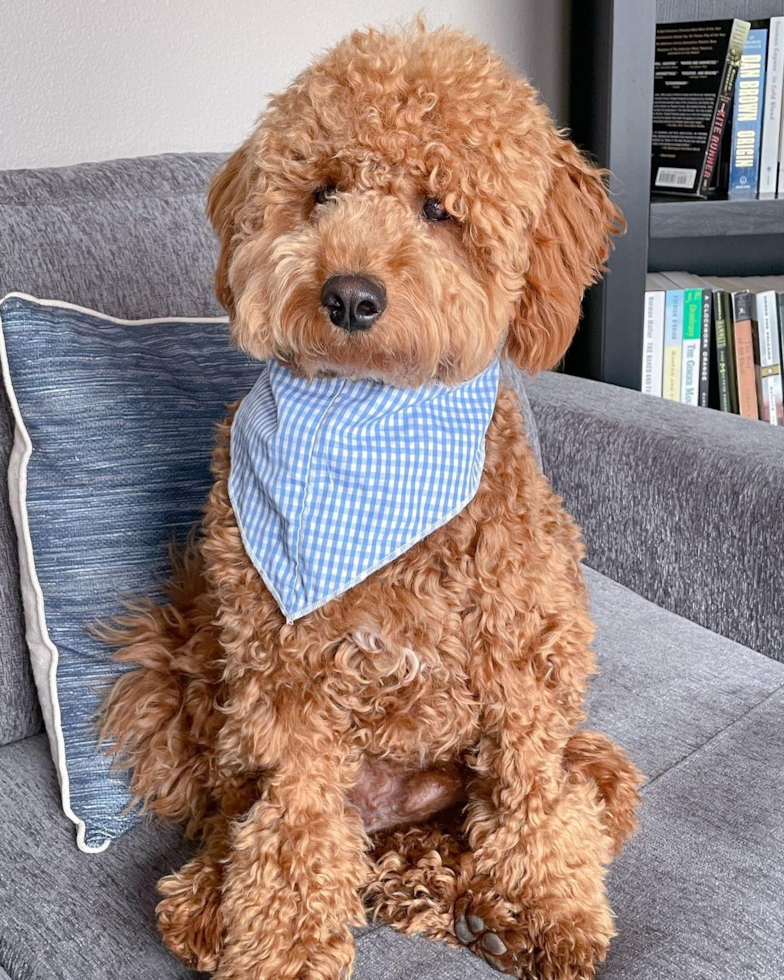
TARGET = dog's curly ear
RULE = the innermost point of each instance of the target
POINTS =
(569, 248)
(228, 192)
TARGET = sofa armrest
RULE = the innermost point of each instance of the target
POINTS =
(685, 506)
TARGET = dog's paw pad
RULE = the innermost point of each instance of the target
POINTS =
(491, 942)
(477, 924)
(463, 931)
(472, 931)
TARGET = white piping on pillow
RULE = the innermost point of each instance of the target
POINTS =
(44, 655)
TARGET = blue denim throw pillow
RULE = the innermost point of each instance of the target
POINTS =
(115, 426)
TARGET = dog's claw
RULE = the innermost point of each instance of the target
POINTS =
(493, 943)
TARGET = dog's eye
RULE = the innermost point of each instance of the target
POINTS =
(434, 210)
(322, 194)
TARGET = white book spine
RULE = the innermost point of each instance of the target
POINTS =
(767, 321)
(653, 343)
(771, 111)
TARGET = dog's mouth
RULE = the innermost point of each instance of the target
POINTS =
(354, 359)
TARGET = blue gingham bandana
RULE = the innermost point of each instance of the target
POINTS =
(331, 479)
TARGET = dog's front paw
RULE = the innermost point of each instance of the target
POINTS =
(189, 915)
(518, 944)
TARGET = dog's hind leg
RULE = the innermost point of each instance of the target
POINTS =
(594, 756)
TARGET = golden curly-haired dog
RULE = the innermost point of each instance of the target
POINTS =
(328, 773)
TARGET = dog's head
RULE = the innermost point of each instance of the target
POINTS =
(404, 209)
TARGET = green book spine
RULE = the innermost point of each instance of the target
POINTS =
(692, 330)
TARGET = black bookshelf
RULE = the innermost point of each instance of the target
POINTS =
(611, 102)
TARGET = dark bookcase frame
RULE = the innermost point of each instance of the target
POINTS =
(611, 103)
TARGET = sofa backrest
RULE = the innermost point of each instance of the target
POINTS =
(128, 238)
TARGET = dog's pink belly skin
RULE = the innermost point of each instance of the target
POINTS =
(388, 794)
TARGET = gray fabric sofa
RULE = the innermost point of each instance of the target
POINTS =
(682, 515)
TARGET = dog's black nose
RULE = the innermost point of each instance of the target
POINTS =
(353, 302)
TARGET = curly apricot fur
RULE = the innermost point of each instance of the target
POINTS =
(411, 750)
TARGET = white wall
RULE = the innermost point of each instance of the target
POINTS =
(95, 79)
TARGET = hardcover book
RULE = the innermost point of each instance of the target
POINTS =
(694, 78)
(726, 289)
(692, 338)
(780, 297)
(771, 110)
(705, 349)
(726, 377)
(747, 117)
(744, 355)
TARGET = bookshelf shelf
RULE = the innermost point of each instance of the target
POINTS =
(727, 219)
(611, 107)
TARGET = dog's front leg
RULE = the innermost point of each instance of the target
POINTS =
(292, 878)
(538, 839)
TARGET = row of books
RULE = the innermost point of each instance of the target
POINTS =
(718, 126)
(715, 342)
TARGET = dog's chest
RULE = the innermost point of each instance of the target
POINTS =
(406, 701)
(396, 656)
(395, 659)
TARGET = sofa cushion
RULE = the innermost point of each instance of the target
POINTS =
(708, 904)
(666, 685)
(128, 238)
(696, 893)
(683, 507)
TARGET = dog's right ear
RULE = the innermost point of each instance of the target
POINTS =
(228, 192)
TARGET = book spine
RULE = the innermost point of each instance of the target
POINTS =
(744, 356)
(721, 113)
(780, 304)
(705, 345)
(722, 352)
(673, 344)
(780, 184)
(757, 354)
(732, 368)
(770, 358)
(690, 362)
(747, 118)
(771, 111)
(777, 307)
(653, 343)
